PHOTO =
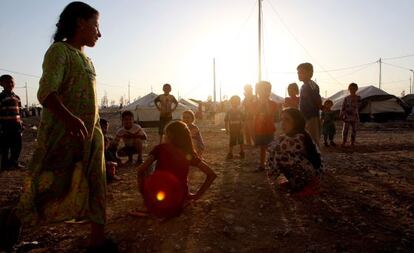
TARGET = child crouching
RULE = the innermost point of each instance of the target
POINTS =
(165, 191)
(294, 154)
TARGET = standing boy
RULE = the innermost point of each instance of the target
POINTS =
(234, 121)
(166, 104)
(310, 101)
(10, 125)
(264, 120)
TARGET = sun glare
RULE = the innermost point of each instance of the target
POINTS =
(160, 196)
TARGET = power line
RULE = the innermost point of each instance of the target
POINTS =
(398, 57)
(396, 66)
(19, 73)
(297, 40)
(364, 65)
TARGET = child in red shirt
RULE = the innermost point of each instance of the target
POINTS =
(293, 100)
(264, 120)
(173, 159)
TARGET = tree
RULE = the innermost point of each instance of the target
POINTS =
(104, 101)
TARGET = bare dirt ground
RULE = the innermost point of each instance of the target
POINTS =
(366, 203)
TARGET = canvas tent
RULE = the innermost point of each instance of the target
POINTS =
(145, 112)
(190, 104)
(376, 104)
(276, 98)
(409, 100)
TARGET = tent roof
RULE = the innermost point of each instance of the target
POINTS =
(188, 103)
(276, 98)
(147, 101)
(366, 92)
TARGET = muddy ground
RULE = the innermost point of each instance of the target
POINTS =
(366, 202)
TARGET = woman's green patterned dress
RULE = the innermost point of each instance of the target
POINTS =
(66, 176)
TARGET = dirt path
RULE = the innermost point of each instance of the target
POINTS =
(366, 205)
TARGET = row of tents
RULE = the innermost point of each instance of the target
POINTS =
(376, 105)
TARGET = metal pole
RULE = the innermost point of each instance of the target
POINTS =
(129, 93)
(214, 80)
(260, 40)
(27, 97)
(410, 84)
(379, 81)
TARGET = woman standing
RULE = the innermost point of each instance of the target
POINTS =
(67, 172)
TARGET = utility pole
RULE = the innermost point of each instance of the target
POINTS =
(214, 79)
(260, 40)
(412, 82)
(27, 97)
(220, 92)
(129, 92)
(379, 80)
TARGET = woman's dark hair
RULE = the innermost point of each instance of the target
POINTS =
(180, 136)
(66, 26)
(299, 124)
(298, 120)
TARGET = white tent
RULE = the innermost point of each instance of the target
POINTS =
(375, 104)
(146, 113)
(276, 98)
(190, 104)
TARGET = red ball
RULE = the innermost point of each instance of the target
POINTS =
(164, 194)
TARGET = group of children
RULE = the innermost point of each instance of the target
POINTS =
(294, 156)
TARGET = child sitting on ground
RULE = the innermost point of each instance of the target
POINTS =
(111, 161)
(328, 123)
(293, 100)
(133, 137)
(294, 154)
(350, 114)
(173, 158)
(234, 121)
(198, 143)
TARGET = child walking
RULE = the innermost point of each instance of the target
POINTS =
(293, 100)
(248, 110)
(328, 124)
(166, 105)
(265, 116)
(173, 158)
(133, 137)
(349, 114)
(293, 154)
(10, 125)
(188, 118)
(234, 122)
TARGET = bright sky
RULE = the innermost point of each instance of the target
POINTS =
(148, 43)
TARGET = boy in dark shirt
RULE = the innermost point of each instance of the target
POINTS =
(310, 101)
(234, 121)
(166, 104)
(10, 125)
